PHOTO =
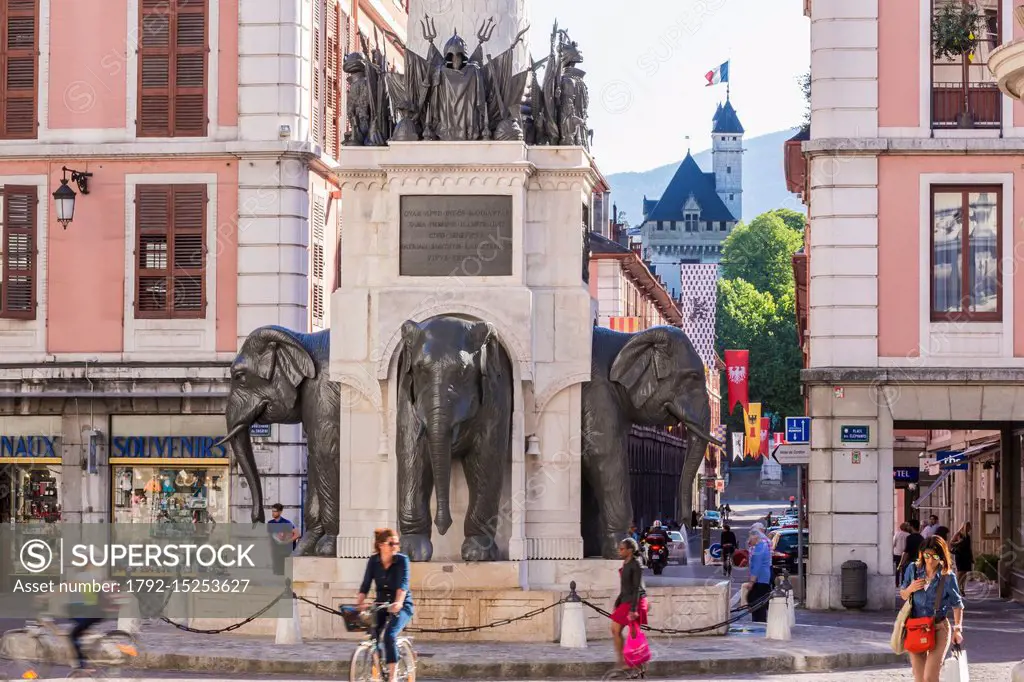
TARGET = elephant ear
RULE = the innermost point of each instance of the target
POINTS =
(484, 337)
(642, 363)
(280, 354)
(412, 334)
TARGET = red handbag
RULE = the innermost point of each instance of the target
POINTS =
(920, 637)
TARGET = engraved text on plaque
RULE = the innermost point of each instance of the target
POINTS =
(460, 235)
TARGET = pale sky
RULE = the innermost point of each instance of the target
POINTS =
(646, 60)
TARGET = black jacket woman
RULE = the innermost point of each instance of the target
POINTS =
(389, 569)
(963, 554)
(631, 604)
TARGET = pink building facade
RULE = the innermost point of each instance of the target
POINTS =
(913, 284)
(210, 128)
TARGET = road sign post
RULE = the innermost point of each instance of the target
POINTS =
(789, 453)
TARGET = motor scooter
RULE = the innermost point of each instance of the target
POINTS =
(657, 556)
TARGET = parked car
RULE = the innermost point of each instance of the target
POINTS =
(713, 518)
(784, 550)
(677, 548)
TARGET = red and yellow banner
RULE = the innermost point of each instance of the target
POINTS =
(752, 424)
(624, 324)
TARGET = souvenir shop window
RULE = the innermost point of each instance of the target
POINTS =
(170, 494)
(29, 494)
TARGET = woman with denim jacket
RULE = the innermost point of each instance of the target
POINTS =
(920, 584)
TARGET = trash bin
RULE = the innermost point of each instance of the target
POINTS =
(855, 584)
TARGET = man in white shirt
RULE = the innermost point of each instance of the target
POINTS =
(899, 546)
(929, 530)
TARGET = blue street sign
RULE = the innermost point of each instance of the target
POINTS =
(909, 474)
(855, 434)
(798, 430)
(951, 460)
(715, 551)
(259, 430)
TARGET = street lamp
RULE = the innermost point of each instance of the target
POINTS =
(64, 197)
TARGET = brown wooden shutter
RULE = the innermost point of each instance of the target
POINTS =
(316, 125)
(18, 67)
(188, 251)
(318, 285)
(331, 83)
(172, 68)
(170, 226)
(19, 252)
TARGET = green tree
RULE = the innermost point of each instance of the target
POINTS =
(793, 219)
(761, 252)
(756, 312)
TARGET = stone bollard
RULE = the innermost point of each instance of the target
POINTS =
(129, 619)
(787, 587)
(1017, 674)
(574, 622)
(289, 630)
(778, 618)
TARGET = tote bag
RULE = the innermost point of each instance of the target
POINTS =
(636, 650)
(899, 628)
(954, 668)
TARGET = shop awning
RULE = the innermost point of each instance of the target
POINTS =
(916, 504)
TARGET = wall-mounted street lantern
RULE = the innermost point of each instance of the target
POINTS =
(64, 197)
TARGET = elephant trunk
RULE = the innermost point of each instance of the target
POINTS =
(239, 420)
(698, 427)
(440, 446)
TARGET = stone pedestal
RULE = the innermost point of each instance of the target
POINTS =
(539, 305)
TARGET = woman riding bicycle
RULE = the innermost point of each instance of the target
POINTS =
(389, 569)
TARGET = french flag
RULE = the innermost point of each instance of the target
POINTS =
(718, 75)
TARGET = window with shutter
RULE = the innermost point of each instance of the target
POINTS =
(170, 253)
(18, 68)
(332, 70)
(318, 284)
(18, 247)
(317, 115)
(172, 68)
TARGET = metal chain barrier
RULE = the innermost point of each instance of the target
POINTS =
(234, 626)
(740, 613)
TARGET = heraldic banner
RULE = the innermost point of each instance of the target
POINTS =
(737, 373)
(766, 426)
(737, 445)
(752, 421)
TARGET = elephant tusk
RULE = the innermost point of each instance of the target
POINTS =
(234, 432)
(702, 435)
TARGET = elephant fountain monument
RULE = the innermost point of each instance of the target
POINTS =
(464, 387)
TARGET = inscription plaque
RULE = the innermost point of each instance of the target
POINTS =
(455, 235)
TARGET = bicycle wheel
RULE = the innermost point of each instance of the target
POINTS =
(365, 665)
(114, 653)
(30, 658)
(406, 667)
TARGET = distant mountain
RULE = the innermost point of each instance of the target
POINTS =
(764, 180)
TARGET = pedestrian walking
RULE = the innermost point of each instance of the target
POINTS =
(933, 525)
(899, 545)
(932, 588)
(760, 561)
(693, 520)
(631, 604)
(963, 554)
(388, 568)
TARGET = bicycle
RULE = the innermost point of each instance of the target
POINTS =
(368, 659)
(113, 651)
(727, 551)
